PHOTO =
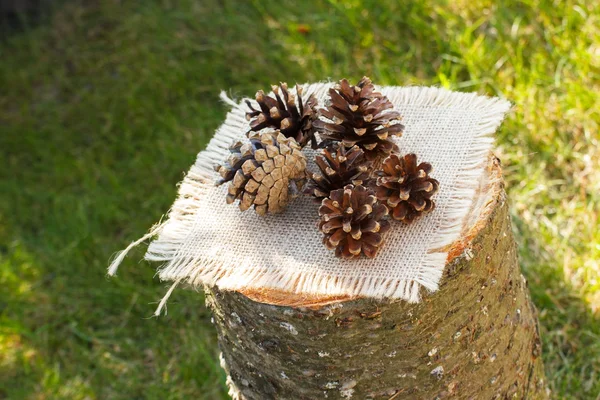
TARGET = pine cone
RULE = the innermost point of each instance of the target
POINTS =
(339, 167)
(359, 117)
(406, 187)
(291, 119)
(351, 219)
(266, 172)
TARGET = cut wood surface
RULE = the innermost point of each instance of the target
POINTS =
(475, 338)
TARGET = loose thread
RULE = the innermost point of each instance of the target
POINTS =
(163, 301)
(120, 256)
(227, 100)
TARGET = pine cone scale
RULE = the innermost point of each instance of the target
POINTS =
(358, 115)
(267, 175)
(406, 187)
(282, 112)
(351, 220)
(338, 166)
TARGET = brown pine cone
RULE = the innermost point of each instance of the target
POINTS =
(266, 172)
(406, 187)
(339, 167)
(293, 119)
(357, 115)
(352, 221)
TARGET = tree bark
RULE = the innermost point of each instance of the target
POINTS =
(475, 338)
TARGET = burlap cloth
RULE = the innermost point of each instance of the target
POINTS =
(206, 241)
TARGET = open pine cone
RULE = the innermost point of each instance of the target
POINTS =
(266, 172)
(406, 187)
(352, 221)
(339, 167)
(357, 115)
(291, 118)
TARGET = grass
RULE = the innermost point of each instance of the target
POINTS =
(103, 106)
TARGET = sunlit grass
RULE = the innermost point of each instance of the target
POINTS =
(103, 108)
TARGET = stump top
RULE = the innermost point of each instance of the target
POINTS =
(280, 259)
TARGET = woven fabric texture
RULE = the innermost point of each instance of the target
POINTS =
(206, 241)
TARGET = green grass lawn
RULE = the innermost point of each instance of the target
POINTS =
(104, 107)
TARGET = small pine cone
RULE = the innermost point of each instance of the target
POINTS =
(406, 187)
(357, 115)
(291, 119)
(352, 221)
(266, 172)
(339, 167)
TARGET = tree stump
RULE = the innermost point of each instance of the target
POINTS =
(475, 338)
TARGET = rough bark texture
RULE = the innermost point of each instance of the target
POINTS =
(475, 338)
